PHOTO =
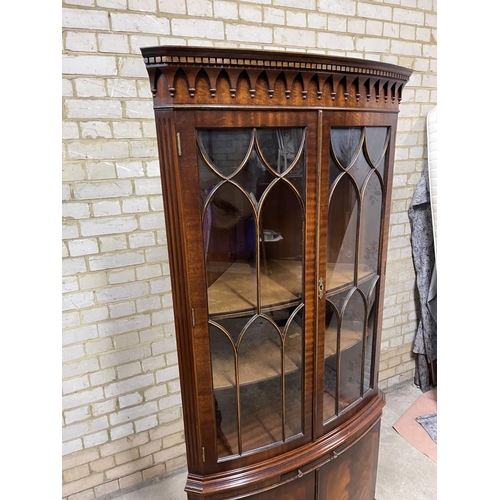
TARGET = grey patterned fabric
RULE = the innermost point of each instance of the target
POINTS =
(422, 242)
(429, 423)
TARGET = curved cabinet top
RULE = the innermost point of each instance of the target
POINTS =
(220, 77)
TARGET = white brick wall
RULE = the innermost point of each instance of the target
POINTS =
(122, 420)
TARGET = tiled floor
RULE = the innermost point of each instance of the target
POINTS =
(403, 473)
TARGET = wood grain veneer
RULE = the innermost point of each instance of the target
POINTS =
(302, 455)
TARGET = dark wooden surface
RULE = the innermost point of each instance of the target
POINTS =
(220, 88)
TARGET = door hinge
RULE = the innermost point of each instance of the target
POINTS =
(193, 319)
(179, 149)
(203, 453)
(321, 288)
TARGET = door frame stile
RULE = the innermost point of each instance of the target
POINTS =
(316, 367)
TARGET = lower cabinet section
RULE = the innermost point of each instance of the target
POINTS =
(352, 475)
(298, 489)
(348, 472)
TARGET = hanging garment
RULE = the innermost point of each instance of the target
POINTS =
(422, 242)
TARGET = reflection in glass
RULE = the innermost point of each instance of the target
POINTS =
(339, 298)
(356, 170)
(259, 427)
(342, 233)
(294, 341)
(371, 214)
(334, 172)
(223, 367)
(359, 170)
(226, 149)
(367, 286)
(280, 147)
(229, 235)
(376, 144)
(252, 187)
(367, 381)
(346, 144)
(351, 339)
(330, 362)
(281, 245)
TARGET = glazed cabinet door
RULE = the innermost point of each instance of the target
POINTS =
(354, 191)
(248, 188)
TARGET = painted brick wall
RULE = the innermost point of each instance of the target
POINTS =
(122, 417)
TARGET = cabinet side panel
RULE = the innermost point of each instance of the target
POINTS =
(352, 476)
(174, 215)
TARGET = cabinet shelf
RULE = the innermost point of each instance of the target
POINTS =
(233, 294)
(264, 362)
(266, 426)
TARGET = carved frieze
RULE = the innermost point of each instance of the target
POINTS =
(199, 76)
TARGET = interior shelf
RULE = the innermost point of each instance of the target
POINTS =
(263, 424)
(234, 293)
(263, 355)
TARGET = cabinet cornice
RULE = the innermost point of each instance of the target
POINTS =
(190, 75)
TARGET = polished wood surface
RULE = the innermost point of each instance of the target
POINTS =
(187, 76)
(347, 476)
(299, 455)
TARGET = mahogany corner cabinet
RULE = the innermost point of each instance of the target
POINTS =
(276, 171)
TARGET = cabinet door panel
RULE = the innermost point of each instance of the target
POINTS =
(253, 185)
(353, 194)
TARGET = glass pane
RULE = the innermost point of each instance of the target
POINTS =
(353, 244)
(281, 246)
(251, 176)
(209, 178)
(293, 380)
(280, 147)
(224, 383)
(366, 284)
(342, 233)
(359, 170)
(351, 342)
(330, 362)
(226, 149)
(230, 251)
(253, 225)
(371, 213)
(375, 143)
(381, 165)
(260, 373)
(367, 381)
(334, 173)
(340, 298)
(346, 144)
